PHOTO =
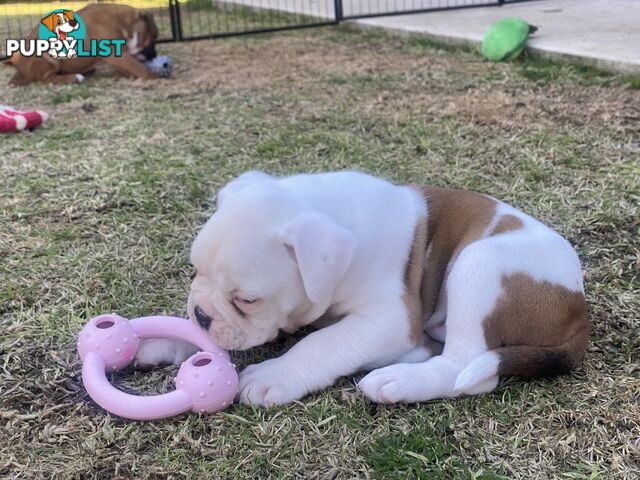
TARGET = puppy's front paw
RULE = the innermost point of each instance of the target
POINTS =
(390, 384)
(162, 351)
(53, 53)
(270, 383)
(71, 53)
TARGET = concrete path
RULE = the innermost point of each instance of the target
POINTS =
(605, 33)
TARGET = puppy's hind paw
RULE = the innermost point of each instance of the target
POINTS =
(392, 384)
(154, 352)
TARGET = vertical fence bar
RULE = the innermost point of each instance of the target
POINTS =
(176, 3)
(338, 10)
(177, 26)
(172, 19)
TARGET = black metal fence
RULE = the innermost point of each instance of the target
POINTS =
(200, 19)
(356, 9)
(180, 20)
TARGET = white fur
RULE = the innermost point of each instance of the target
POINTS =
(160, 351)
(132, 45)
(482, 367)
(335, 245)
(323, 251)
(473, 287)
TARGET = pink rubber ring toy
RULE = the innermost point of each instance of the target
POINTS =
(206, 382)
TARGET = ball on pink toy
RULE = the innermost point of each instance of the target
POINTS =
(210, 380)
(112, 337)
(206, 382)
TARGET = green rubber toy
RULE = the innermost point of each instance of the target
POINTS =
(506, 39)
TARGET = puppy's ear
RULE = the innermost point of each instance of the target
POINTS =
(243, 181)
(68, 14)
(50, 21)
(150, 23)
(323, 250)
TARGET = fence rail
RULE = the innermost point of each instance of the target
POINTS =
(181, 20)
(357, 9)
(202, 19)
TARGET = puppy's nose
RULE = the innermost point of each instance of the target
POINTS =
(203, 319)
(73, 23)
(149, 52)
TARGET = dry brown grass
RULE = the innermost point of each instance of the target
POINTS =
(98, 209)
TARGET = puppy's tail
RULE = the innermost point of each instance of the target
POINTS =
(525, 361)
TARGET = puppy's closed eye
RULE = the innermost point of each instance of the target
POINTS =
(243, 305)
(247, 301)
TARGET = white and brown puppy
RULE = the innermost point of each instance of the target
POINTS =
(102, 22)
(403, 269)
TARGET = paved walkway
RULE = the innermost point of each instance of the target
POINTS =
(605, 33)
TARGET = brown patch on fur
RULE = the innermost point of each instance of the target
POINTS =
(146, 28)
(455, 219)
(538, 328)
(413, 281)
(507, 223)
(12, 60)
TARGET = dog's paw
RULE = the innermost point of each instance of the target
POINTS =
(162, 351)
(390, 384)
(79, 78)
(71, 53)
(269, 383)
(53, 53)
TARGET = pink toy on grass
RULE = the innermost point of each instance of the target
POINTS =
(12, 120)
(206, 382)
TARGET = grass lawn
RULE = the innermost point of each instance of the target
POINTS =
(98, 209)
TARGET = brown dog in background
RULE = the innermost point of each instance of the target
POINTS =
(101, 21)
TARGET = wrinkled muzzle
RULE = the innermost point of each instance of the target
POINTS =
(206, 316)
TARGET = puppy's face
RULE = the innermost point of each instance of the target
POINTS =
(142, 45)
(257, 269)
(246, 286)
